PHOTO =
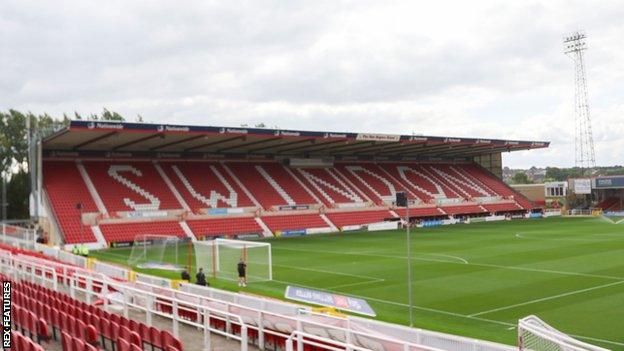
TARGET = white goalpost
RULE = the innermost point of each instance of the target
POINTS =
(152, 251)
(536, 335)
(221, 256)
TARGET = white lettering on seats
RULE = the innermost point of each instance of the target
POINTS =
(440, 193)
(213, 201)
(154, 202)
(318, 182)
(275, 185)
(391, 189)
(451, 178)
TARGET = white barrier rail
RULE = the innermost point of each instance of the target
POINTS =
(25, 270)
(152, 303)
(282, 319)
(303, 339)
(72, 259)
(63, 271)
(111, 270)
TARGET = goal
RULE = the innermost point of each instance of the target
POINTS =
(536, 335)
(220, 257)
(165, 252)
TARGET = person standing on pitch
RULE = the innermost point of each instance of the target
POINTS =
(242, 272)
(200, 278)
(185, 275)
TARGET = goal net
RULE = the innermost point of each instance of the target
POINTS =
(535, 335)
(159, 252)
(221, 256)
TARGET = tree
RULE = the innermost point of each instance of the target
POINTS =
(14, 150)
(106, 116)
(521, 178)
(111, 116)
(18, 191)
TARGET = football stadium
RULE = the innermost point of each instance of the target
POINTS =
(311, 176)
(347, 241)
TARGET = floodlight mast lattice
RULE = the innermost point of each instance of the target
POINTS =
(574, 46)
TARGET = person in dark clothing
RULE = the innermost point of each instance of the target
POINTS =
(200, 278)
(185, 275)
(242, 272)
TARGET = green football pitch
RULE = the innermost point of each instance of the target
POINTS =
(474, 280)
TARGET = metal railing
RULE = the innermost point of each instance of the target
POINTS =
(154, 304)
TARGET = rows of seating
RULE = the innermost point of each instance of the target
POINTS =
(609, 204)
(503, 207)
(65, 188)
(23, 343)
(71, 319)
(420, 212)
(130, 186)
(499, 187)
(30, 324)
(115, 232)
(294, 222)
(205, 185)
(124, 186)
(341, 219)
(224, 226)
(251, 177)
(199, 185)
(463, 209)
(372, 180)
(330, 186)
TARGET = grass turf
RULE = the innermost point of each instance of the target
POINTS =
(474, 280)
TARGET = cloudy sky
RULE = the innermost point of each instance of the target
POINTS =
(492, 69)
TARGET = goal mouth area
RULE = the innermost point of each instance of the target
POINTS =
(161, 266)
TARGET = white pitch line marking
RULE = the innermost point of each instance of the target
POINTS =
(574, 292)
(555, 238)
(355, 284)
(526, 269)
(449, 256)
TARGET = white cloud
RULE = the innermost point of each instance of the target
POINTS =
(478, 68)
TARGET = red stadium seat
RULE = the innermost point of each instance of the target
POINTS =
(77, 344)
(123, 345)
(155, 338)
(66, 341)
(91, 335)
(170, 341)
